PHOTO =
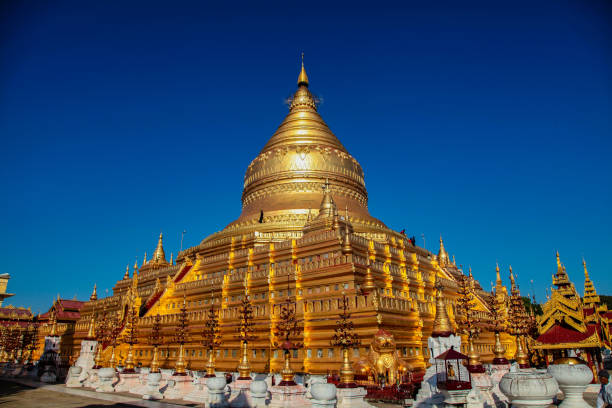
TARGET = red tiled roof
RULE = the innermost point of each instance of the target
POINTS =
(66, 310)
(451, 354)
(559, 334)
(588, 312)
(18, 311)
(72, 304)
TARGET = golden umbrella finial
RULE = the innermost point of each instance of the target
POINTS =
(303, 78)
(441, 325)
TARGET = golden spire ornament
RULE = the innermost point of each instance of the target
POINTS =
(245, 334)
(181, 339)
(346, 338)
(127, 273)
(155, 340)
(91, 333)
(132, 332)
(467, 320)
(211, 338)
(499, 326)
(303, 78)
(287, 329)
(517, 318)
(94, 294)
(441, 325)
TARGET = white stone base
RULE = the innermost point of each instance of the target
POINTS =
(288, 396)
(152, 388)
(352, 398)
(107, 378)
(74, 375)
(128, 382)
(178, 387)
(240, 394)
(199, 392)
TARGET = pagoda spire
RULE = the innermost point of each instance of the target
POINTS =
(135, 267)
(560, 278)
(159, 256)
(498, 280)
(346, 245)
(91, 334)
(127, 272)
(442, 254)
(591, 298)
(144, 261)
(94, 294)
(441, 324)
(512, 282)
(303, 78)
(328, 206)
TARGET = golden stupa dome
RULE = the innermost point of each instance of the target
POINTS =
(283, 185)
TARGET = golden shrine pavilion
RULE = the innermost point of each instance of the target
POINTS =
(305, 234)
(571, 324)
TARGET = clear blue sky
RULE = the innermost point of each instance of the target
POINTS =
(487, 122)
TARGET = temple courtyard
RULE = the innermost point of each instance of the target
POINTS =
(30, 394)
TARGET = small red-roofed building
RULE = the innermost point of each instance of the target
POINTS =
(60, 320)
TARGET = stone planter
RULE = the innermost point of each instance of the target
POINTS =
(152, 391)
(74, 375)
(529, 388)
(216, 392)
(323, 395)
(573, 380)
(106, 377)
(259, 393)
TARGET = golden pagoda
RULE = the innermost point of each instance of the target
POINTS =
(571, 326)
(304, 234)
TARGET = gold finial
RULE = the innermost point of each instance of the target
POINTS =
(328, 206)
(513, 284)
(127, 272)
(136, 266)
(303, 78)
(91, 334)
(442, 254)
(441, 325)
(558, 260)
(159, 256)
(498, 281)
(171, 258)
(586, 272)
(94, 294)
(144, 261)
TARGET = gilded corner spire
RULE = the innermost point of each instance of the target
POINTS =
(302, 78)
(328, 206)
(127, 272)
(512, 282)
(159, 256)
(144, 261)
(442, 254)
(94, 294)
(441, 324)
(91, 334)
(591, 298)
(136, 266)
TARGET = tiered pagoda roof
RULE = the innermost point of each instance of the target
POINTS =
(569, 321)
